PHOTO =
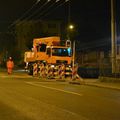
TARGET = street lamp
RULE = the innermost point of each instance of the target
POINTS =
(71, 27)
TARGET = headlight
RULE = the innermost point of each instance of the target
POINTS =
(52, 66)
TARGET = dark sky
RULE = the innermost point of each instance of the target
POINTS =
(91, 17)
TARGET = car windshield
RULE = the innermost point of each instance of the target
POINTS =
(61, 52)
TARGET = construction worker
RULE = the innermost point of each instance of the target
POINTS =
(10, 65)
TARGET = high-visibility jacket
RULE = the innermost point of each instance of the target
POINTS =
(10, 64)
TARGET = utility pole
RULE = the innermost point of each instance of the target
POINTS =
(69, 20)
(113, 36)
(70, 29)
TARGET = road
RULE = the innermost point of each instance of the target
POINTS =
(23, 97)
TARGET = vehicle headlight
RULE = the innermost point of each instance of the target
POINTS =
(52, 66)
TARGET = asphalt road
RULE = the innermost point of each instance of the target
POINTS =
(26, 98)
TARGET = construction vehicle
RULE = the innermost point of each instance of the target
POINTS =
(50, 52)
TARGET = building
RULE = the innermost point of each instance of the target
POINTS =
(94, 57)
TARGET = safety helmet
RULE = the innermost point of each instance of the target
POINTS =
(10, 58)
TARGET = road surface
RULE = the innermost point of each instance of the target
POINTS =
(23, 97)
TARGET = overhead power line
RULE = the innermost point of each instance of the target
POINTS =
(29, 10)
(43, 12)
(16, 21)
(27, 18)
(54, 8)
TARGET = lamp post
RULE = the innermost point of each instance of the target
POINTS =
(71, 27)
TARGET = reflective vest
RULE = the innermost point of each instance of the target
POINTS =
(10, 64)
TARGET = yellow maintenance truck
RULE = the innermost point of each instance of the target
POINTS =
(48, 52)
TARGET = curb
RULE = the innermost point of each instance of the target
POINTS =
(102, 86)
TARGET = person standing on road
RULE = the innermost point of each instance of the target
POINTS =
(10, 65)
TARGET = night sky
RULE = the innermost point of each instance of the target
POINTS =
(90, 17)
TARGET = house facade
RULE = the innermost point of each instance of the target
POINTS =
(95, 57)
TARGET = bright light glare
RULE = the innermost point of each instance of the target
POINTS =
(71, 27)
(52, 66)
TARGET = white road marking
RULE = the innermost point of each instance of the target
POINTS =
(70, 92)
(14, 76)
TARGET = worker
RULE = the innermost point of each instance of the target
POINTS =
(10, 65)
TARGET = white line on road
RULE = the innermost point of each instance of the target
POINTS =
(34, 84)
(14, 76)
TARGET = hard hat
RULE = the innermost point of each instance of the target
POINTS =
(10, 58)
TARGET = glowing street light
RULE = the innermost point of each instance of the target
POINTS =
(71, 27)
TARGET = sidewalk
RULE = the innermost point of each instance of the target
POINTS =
(97, 83)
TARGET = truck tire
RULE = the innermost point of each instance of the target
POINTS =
(30, 70)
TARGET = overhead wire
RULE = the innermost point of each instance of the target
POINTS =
(29, 9)
(48, 10)
(16, 21)
(42, 10)
(32, 15)
(54, 8)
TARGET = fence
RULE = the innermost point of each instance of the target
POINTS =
(105, 68)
